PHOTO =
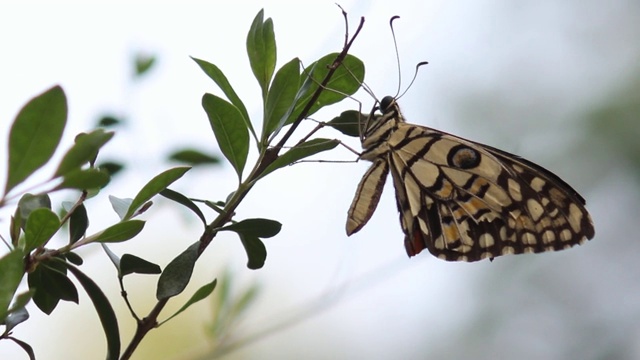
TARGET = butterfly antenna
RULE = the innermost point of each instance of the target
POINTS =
(395, 45)
(415, 75)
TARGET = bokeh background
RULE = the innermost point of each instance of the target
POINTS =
(555, 82)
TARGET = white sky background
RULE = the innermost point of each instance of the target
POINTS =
(535, 64)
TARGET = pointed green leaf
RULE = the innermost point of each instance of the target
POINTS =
(35, 134)
(193, 157)
(18, 314)
(42, 224)
(299, 152)
(38, 281)
(154, 186)
(261, 48)
(348, 122)
(108, 121)
(130, 264)
(256, 252)
(115, 259)
(181, 199)
(263, 228)
(78, 224)
(177, 274)
(84, 179)
(119, 232)
(83, 151)
(11, 272)
(143, 64)
(111, 167)
(346, 80)
(229, 129)
(201, 294)
(221, 80)
(57, 284)
(280, 100)
(104, 310)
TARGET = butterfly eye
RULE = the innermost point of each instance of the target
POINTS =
(385, 103)
(463, 157)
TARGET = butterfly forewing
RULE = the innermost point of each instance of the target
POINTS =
(462, 200)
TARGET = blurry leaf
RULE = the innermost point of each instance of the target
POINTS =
(348, 122)
(300, 152)
(154, 186)
(14, 228)
(84, 179)
(18, 314)
(110, 167)
(346, 80)
(263, 228)
(11, 273)
(42, 224)
(35, 135)
(115, 259)
(244, 301)
(26, 347)
(120, 206)
(281, 97)
(108, 121)
(83, 151)
(193, 157)
(256, 252)
(73, 258)
(78, 223)
(201, 294)
(130, 264)
(229, 129)
(29, 203)
(218, 77)
(177, 274)
(104, 310)
(183, 200)
(144, 63)
(261, 48)
(119, 232)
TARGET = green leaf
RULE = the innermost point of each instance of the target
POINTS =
(35, 134)
(280, 100)
(183, 200)
(78, 224)
(11, 273)
(83, 151)
(104, 310)
(108, 121)
(73, 258)
(346, 80)
(154, 186)
(42, 224)
(28, 203)
(256, 252)
(261, 48)
(115, 259)
(84, 179)
(193, 157)
(199, 295)
(221, 80)
(229, 129)
(263, 228)
(18, 314)
(56, 283)
(299, 152)
(46, 299)
(143, 64)
(120, 206)
(176, 275)
(130, 264)
(348, 122)
(111, 167)
(119, 232)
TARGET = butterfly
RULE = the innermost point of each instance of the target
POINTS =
(462, 200)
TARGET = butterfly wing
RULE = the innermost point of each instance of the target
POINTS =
(465, 201)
